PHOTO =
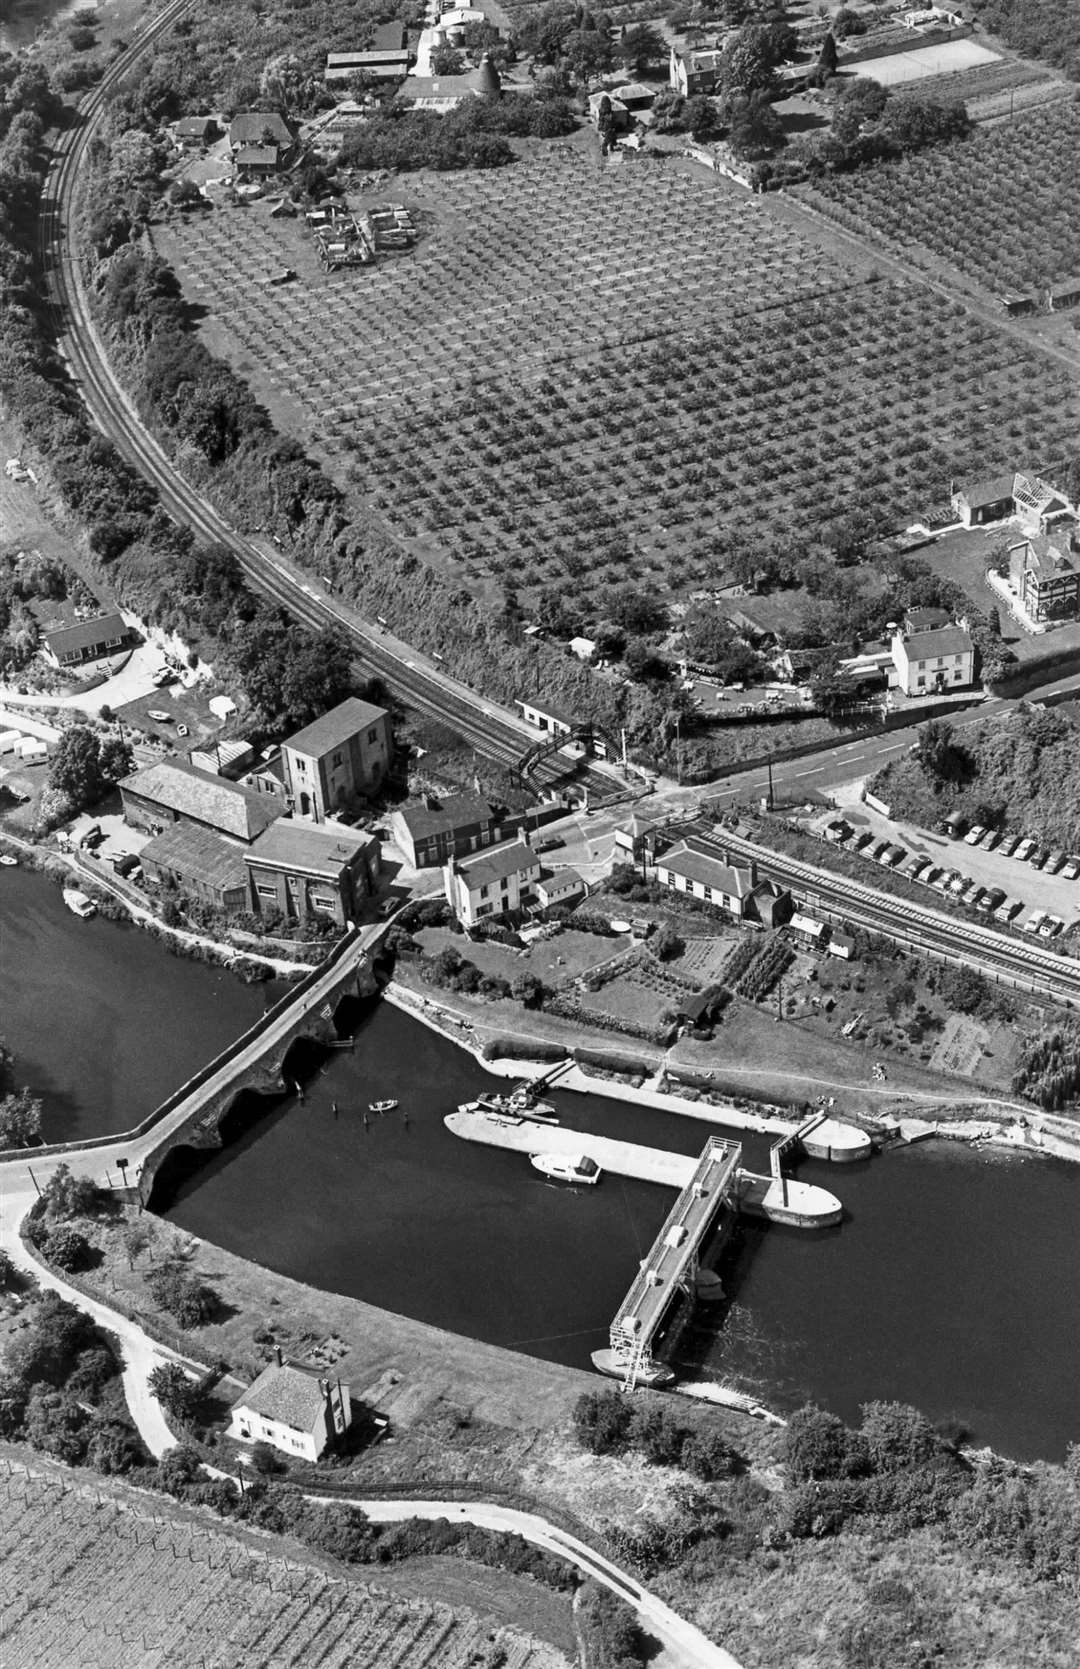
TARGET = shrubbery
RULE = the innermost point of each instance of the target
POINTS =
(610, 1423)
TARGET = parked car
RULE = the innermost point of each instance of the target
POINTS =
(1039, 858)
(974, 835)
(164, 675)
(1034, 921)
(992, 900)
(890, 855)
(990, 839)
(953, 826)
(1050, 927)
(971, 894)
(1009, 911)
(125, 863)
(930, 877)
(942, 878)
(550, 843)
(879, 848)
(92, 838)
(1054, 862)
(1008, 845)
(915, 866)
(1024, 849)
(1071, 869)
(860, 843)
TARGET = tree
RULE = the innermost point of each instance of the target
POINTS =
(609, 1628)
(898, 1436)
(69, 1249)
(76, 766)
(137, 1237)
(588, 54)
(114, 1447)
(936, 751)
(20, 1120)
(528, 990)
(708, 1455)
(602, 1421)
(266, 1460)
(116, 759)
(189, 1300)
(68, 1196)
(175, 1392)
(447, 60)
(749, 61)
(666, 943)
(831, 688)
(640, 47)
(57, 1425)
(818, 1445)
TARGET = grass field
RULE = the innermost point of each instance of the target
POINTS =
(582, 377)
(96, 1576)
(974, 202)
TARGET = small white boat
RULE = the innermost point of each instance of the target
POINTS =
(493, 1109)
(7, 860)
(567, 1167)
(382, 1106)
(650, 1373)
(78, 903)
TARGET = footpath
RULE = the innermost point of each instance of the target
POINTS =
(683, 1645)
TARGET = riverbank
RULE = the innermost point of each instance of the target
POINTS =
(1017, 1130)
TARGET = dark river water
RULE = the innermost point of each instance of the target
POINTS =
(952, 1283)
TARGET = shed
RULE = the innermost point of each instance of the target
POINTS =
(842, 945)
(810, 928)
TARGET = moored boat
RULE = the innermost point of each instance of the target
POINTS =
(78, 903)
(649, 1373)
(567, 1167)
(708, 1286)
(381, 1106)
(8, 861)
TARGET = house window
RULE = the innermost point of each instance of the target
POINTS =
(337, 757)
(265, 891)
(484, 909)
(318, 902)
(484, 892)
(301, 764)
(503, 884)
(371, 735)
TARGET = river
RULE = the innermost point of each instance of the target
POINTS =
(952, 1282)
(20, 20)
(104, 1023)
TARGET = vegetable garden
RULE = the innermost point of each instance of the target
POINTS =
(598, 376)
(99, 1580)
(1003, 206)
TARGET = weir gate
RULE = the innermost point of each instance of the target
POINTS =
(672, 1263)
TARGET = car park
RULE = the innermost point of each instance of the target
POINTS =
(974, 835)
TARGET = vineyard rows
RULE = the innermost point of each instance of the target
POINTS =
(1002, 206)
(100, 1582)
(521, 396)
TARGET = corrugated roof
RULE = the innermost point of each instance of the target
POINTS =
(184, 789)
(197, 854)
(314, 848)
(549, 709)
(334, 728)
(497, 863)
(456, 811)
(287, 1394)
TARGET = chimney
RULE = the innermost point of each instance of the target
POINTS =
(280, 1357)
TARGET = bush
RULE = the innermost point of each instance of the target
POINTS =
(602, 1422)
(610, 1631)
(175, 1392)
(191, 1302)
(69, 1250)
(266, 1460)
(67, 1196)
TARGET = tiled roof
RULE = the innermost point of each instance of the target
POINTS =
(87, 634)
(991, 491)
(949, 640)
(496, 864)
(189, 792)
(197, 854)
(1048, 559)
(249, 126)
(456, 811)
(287, 1394)
(695, 862)
(335, 728)
(316, 849)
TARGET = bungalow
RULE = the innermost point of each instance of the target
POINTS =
(491, 883)
(926, 619)
(558, 886)
(197, 862)
(700, 868)
(435, 830)
(293, 1409)
(546, 715)
(305, 871)
(933, 661)
(987, 501)
(87, 640)
(1045, 575)
(172, 791)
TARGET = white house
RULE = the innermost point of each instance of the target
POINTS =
(697, 867)
(491, 883)
(929, 662)
(558, 886)
(293, 1409)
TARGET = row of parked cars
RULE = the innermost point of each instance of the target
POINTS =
(987, 901)
(1024, 849)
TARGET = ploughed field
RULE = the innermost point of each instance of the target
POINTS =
(117, 1579)
(598, 375)
(1002, 206)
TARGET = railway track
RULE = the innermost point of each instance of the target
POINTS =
(1029, 967)
(498, 734)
